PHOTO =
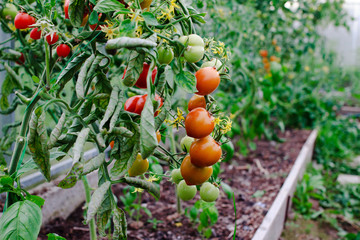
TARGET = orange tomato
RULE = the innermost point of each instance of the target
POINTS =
(194, 175)
(205, 152)
(263, 53)
(207, 80)
(158, 136)
(199, 123)
(112, 144)
(196, 101)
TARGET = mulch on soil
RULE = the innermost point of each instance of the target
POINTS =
(245, 175)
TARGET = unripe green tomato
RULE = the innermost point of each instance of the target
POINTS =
(194, 44)
(166, 55)
(186, 192)
(186, 142)
(208, 192)
(9, 11)
(213, 63)
(176, 176)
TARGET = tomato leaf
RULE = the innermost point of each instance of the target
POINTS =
(93, 163)
(97, 199)
(105, 6)
(79, 87)
(186, 81)
(139, 183)
(102, 220)
(76, 12)
(150, 18)
(165, 109)
(56, 132)
(94, 18)
(148, 141)
(37, 142)
(22, 220)
(54, 236)
(79, 144)
(114, 98)
(72, 177)
(134, 68)
(117, 111)
(71, 69)
(120, 226)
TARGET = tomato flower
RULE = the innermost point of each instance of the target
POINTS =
(139, 190)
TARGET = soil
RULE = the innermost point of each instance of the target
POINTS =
(255, 180)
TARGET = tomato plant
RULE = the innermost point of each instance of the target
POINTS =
(194, 47)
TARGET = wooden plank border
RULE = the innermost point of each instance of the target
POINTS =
(273, 223)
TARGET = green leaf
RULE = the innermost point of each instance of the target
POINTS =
(56, 132)
(148, 141)
(164, 112)
(150, 18)
(79, 144)
(114, 98)
(35, 79)
(72, 177)
(80, 83)
(94, 163)
(227, 189)
(102, 220)
(37, 142)
(22, 220)
(186, 81)
(54, 236)
(139, 183)
(96, 200)
(128, 42)
(76, 12)
(120, 226)
(94, 18)
(115, 116)
(36, 199)
(134, 68)
(25, 167)
(70, 69)
(105, 6)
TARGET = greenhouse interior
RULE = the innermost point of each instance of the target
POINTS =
(179, 119)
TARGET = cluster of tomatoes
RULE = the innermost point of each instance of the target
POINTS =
(264, 55)
(203, 150)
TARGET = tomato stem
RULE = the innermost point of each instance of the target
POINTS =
(92, 224)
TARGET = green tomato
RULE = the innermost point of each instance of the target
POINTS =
(194, 44)
(228, 148)
(186, 192)
(208, 192)
(9, 12)
(176, 176)
(186, 142)
(166, 55)
(213, 63)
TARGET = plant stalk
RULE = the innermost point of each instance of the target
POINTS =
(173, 150)
(92, 225)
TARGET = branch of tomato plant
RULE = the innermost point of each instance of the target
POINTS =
(92, 224)
(191, 25)
(21, 139)
(169, 154)
(47, 62)
(7, 40)
(158, 34)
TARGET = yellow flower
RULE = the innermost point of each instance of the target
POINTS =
(177, 121)
(227, 127)
(216, 121)
(152, 179)
(139, 31)
(139, 190)
(307, 68)
(110, 32)
(168, 13)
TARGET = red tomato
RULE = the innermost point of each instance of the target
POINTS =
(66, 9)
(263, 53)
(52, 39)
(205, 152)
(35, 34)
(23, 20)
(199, 123)
(112, 144)
(196, 101)
(207, 80)
(21, 59)
(130, 104)
(63, 50)
(136, 104)
(141, 82)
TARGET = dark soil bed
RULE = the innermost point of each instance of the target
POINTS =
(262, 172)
